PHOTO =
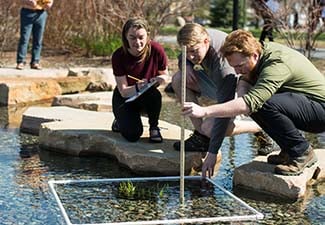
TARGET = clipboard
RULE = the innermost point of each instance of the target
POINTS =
(143, 90)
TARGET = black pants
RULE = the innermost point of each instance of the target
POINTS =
(128, 115)
(267, 32)
(284, 114)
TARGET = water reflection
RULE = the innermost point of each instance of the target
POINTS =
(11, 116)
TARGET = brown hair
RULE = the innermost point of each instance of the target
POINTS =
(191, 34)
(240, 41)
(137, 23)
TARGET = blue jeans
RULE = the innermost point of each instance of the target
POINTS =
(31, 21)
(284, 114)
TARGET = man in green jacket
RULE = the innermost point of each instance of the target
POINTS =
(282, 91)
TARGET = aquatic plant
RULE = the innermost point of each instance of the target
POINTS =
(129, 190)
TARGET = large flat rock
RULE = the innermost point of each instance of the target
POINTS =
(34, 116)
(81, 132)
(258, 175)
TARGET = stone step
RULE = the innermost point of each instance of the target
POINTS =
(21, 87)
(81, 132)
(258, 175)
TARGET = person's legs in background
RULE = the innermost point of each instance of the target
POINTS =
(267, 31)
(26, 26)
(38, 31)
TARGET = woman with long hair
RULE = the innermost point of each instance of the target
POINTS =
(137, 63)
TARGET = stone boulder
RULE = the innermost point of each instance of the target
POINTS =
(15, 91)
(97, 101)
(71, 85)
(96, 75)
(258, 176)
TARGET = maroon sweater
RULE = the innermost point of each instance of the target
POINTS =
(126, 64)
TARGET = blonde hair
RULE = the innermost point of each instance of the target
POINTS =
(191, 34)
(241, 41)
(137, 23)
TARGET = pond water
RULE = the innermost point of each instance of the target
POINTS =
(25, 197)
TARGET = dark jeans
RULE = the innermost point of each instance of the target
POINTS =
(128, 115)
(267, 32)
(31, 22)
(284, 114)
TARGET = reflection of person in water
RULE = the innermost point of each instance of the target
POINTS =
(31, 171)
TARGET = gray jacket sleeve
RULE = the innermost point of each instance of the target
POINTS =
(226, 92)
(218, 134)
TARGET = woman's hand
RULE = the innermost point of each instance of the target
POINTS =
(142, 83)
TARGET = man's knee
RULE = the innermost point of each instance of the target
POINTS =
(176, 82)
(191, 92)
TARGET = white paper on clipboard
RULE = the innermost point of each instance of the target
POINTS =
(143, 90)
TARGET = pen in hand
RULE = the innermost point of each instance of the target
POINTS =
(134, 78)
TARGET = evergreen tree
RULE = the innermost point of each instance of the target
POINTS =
(221, 13)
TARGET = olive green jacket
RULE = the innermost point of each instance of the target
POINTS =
(282, 69)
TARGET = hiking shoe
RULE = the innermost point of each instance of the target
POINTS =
(265, 143)
(296, 165)
(195, 143)
(278, 159)
(115, 126)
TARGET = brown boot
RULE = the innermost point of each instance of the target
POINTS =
(278, 159)
(265, 143)
(296, 165)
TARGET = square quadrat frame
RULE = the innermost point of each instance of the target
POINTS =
(253, 217)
